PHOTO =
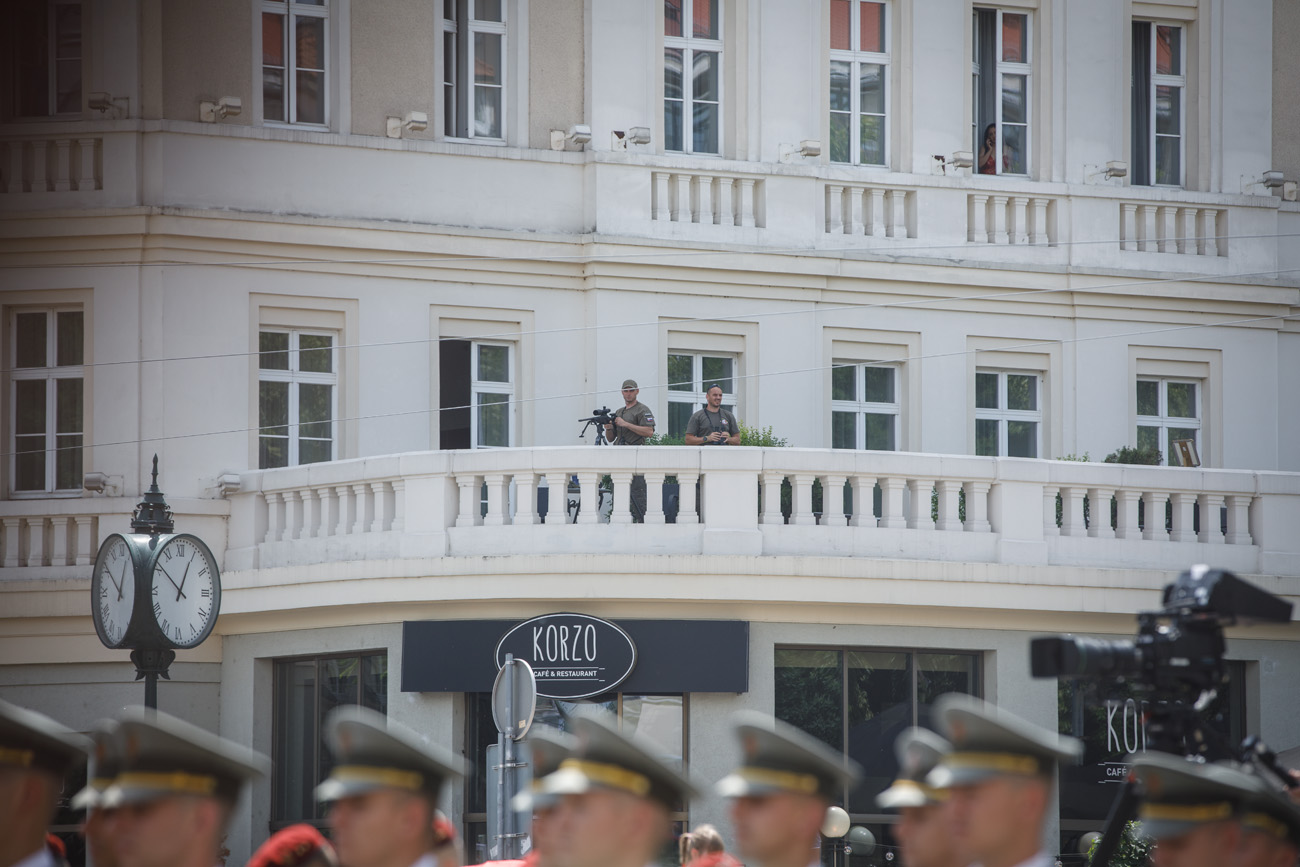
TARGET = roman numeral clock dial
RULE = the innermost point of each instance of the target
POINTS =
(112, 590)
(185, 591)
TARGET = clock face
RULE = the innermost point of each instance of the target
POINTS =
(186, 591)
(112, 589)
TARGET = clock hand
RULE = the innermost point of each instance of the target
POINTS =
(169, 577)
(180, 592)
(116, 585)
(121, 583)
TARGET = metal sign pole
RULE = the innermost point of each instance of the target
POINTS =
(509, 843)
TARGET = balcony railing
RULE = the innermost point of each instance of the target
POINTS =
(748, 501)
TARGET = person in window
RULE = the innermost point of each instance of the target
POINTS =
(988, 150)
(713, 425)
(634, 423)
(999, 777)
(36, 754)
(383, 793)
(780, 793)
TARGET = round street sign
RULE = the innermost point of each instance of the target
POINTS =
(514, 699)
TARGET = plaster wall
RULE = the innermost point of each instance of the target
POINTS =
(81, 694)
(393, 68)
(624, 55)
(1243, 98)
(557, 79)
(1286, 104)
(207, 53)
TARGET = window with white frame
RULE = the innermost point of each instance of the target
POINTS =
(692, 76)
(1159, 103)
(1168, 410)
(689, 374)
(859, 82)
(1008, 413)
(47, 400)
(1001, 87)
(492, 395)
(864, 406)
(473, 68)
(297, 396)
(47, 56)
(295, 51)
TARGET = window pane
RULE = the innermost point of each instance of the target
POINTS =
(1013, 150)
(873, 140)
(1169, 50)
(493, 420)
(986, 390)
(704, 75)
(678, 416)
(717, 371)
(339, 685)
(986, 437)
(658, 719)
(314, 410)
(840, 145)
(71, 326)
(1179, 433)
(272, 93)
(310, 93)
(844, 385)
(840, 25)
(880, 431)
(844, 430)
(841, 95)
(68, 406)
(67, 462)
(314, 451)
(674, 108)
(272, 452)
(30, 399)
(672, 17)
(67, 84)
(310, 45)
(29, 463)
(1148, 397)
(1148, 438)
(29, 435)
(487, 112)
(1013, 98)
(880, 384)
(30, 340)
(314, 355)
(872, 30)
(871, 83)
(679, 373)
(1168, 110)
(673, 73)
(1168, 160)
(493, 363)
(1182, 400)
(1022, 439)
(809, 690)
(1022, 391)
(487, 10)
(272, 39)
(273, 349)
(374, 682)
(1015, 35)
(704, 128)
(487, 58)
(879, 706)
(295, 739)
(273, 407)
(939, 673)
(704, 15)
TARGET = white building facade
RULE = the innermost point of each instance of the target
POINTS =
(354, 270)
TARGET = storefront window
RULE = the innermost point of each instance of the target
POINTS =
(660, 719)
(306, 690)
(859, 700)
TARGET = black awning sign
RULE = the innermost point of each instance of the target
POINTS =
(572, 655)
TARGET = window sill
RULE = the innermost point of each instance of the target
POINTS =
(314, 127)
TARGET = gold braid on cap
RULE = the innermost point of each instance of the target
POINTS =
(1266, 823)
(929, 791)
(178, 782)
(390, 777)
(613, 776)
(1185, 812)
(808, 784)
(1001, 763)
(16, 758)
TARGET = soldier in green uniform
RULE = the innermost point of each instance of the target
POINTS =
(36, 753)
(922, 828)
(634, 423)
(782, 790)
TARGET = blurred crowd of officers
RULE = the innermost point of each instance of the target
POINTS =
(160, 793)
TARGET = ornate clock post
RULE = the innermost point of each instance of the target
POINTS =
(154, 591)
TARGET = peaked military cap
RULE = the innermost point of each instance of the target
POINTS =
(548, 747)
(105, 762)
(990, 742)
(31, 740)
(1179, 794)
(606, 758)
(373, 753)
(1268, 810)
(161, 756)
(919, 751)
(777, 757)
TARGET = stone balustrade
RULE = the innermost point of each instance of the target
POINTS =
(1153, 227)
(749, 501)
(50, 165)
(1008, 218)
(708, 198)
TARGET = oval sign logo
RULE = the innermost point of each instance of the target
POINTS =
(572, 655)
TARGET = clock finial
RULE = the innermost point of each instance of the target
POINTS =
(152, 514)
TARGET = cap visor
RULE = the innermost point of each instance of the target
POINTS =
(902, 796)
(121, 796)
(736, 786)
(87, 799)
(332, 789)
(565, 781)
